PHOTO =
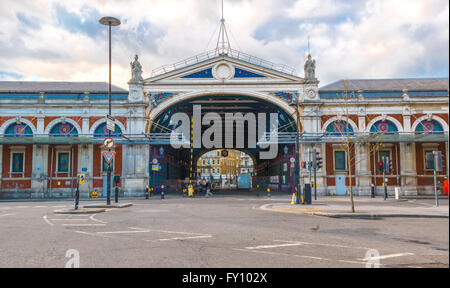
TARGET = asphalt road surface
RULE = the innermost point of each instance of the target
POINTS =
(210, 233)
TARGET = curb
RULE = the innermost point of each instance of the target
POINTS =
(79, 211)
(377, 216)
(354, 215)
(118, 206)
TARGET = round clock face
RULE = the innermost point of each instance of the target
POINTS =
(224, 153)
(311, 93)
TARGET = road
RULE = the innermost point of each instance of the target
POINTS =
(215, 232)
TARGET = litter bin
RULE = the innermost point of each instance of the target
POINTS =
(308, 198)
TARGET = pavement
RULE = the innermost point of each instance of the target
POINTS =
(336, 207)
(217, 232)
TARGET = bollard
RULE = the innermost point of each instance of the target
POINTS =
(372, 190)
(294, 198)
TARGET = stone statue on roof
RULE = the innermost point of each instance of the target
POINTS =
(310, 68)
(136, 70)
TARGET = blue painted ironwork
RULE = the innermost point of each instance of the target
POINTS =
(18, 130)
(102, 132)
(430, 127)
(288, 96)
(201, 74)
(384, 127)
(239, 73)
(61, 129)
(339, 128)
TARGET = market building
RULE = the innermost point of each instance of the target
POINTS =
(50, 132)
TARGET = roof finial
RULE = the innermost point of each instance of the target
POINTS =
(223, 42)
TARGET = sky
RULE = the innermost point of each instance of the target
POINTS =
(47, 40)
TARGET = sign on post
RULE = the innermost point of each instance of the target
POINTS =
(109, 156)
(110, 123)
(108, 143)
(82, 178)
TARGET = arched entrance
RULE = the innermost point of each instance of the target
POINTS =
(175, 163)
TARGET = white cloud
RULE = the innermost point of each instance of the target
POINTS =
(350, 39)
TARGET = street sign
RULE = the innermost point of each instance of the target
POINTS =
(155, 161)
(110, 123)
(155, 167)
(108, 143)
(109, 156)
(82, 178)
(292, 160)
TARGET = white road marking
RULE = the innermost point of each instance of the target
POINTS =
(4, 215)
(300, 256)
(165, 231)
(60, 206)
(39, 206)
(273, 246)
(326, 245)
(46, 220)
(83, 225)
(186, 238)
(122, 232)
(387, 256)
(69, 219)
(96, 220)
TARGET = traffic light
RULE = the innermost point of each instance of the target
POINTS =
(381, 166)
(316, 160)
(303, 165)
(390, 165)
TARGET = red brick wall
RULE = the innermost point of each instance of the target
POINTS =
(329, 152)
(428, 179)
(6, 162)
(57, 181)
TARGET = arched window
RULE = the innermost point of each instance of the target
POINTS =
(384, 127)
(339, 128)
(18, 130)
(63, 129)
(101, 131)
(430, 127)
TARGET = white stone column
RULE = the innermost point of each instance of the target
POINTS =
(39, 170)
(362, 169)
(408, 169)
(84, 162)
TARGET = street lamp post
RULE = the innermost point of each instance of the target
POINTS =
(109, 21)
(297, 152)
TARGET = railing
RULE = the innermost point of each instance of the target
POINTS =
(235, 54)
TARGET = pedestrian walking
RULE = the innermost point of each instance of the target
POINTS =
(208, 189)
(147, 191)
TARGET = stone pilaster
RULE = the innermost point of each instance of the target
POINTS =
(408, 169)
(84, 162)
(363, 174)
(39, 170)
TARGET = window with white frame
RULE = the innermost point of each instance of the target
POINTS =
(62, 162)
(17, 162)
(340, 161)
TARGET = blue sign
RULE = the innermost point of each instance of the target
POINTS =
(84, 169)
